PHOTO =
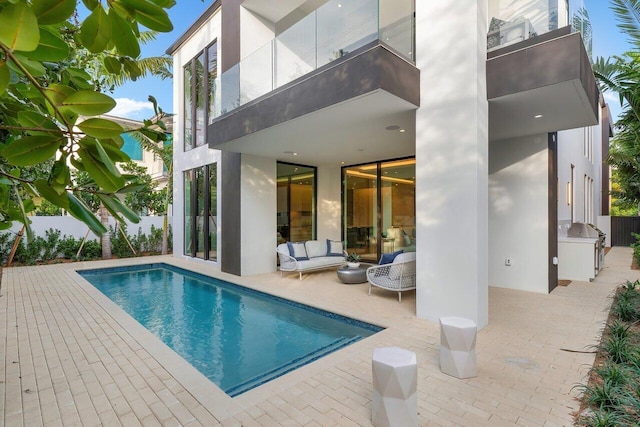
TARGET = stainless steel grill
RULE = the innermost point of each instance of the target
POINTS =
(582, 230)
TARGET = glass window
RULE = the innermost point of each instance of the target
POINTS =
(296, 202)
(188, 213)
(213, 212)
(200, 100)
(360, 210)
(188, 106)
(131, 147)
(200, 213)
(379, 208)
(212, 82)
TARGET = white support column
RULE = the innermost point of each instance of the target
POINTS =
(452, 160)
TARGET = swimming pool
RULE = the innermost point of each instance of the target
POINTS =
(237, 337)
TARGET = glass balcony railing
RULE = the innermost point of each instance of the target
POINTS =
(328, 33)
(512, 21)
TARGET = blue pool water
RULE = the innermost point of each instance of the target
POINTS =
(237, 337)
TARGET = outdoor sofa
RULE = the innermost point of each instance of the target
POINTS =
(312, 255)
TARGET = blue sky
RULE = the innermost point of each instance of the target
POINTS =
(132, 97)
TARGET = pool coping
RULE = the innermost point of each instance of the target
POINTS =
(208, 394)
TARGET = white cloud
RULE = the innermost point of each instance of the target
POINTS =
(132, 109)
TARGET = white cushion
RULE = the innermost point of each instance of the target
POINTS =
(298, 250)
(334, 248)
(316, 248)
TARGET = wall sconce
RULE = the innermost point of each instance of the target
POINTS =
(569, 194)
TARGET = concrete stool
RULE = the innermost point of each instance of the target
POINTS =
(395, 380)
(458, 347)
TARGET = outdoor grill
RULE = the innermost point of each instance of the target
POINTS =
(590, 231)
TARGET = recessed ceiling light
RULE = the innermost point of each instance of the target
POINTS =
(295, 154)
(339, 5)
(392, 127)
(537, 116)
(402, 131)
(342, 163)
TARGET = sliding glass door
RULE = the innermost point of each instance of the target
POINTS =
(200, 212)
(379, 208)
(296, 202)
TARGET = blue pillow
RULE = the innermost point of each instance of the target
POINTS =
(298, 251)
(334, 248)
(388, 258)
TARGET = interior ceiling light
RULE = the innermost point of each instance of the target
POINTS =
(407, 162)
(384, 178)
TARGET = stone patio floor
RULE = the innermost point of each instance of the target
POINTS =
(69, 356)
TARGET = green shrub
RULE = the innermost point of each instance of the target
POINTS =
(68, 246)
(91, 250)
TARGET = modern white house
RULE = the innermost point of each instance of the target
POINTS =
(470, 132)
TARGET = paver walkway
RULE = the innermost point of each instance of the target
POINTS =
(69, 356)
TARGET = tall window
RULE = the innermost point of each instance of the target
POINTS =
(379, 208)
(296, 202)
(200, 213)
(200, 83)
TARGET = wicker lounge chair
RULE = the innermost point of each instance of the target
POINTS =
(398, 276)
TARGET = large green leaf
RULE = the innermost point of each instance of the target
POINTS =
(30, 150)
(123, 37)
(150, 15)
(79, 210)
(91, 4)
(53, 11)
(115, 206)
(50, 48)
(89, 103)
(35, 68)
(95, 31)
(112, 148)
(100, 128)
(46, 191)
(113, 65)
(101, 173)
(37, 124)
(19, 27)
(5, 77)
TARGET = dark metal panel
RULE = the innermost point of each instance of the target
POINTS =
(555, 61)
(358, 73)
(552, 206)
(605, 127)
(230, 261)
(230, 34)
(621, 229)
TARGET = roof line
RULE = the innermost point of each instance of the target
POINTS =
(194, 27)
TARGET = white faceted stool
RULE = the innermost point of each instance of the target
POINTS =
(395, 379)
(458, 347)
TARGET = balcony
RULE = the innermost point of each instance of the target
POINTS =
(539, 76)
(339, 51)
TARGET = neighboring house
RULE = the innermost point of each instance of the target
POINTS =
(145, 158)
(440, 127)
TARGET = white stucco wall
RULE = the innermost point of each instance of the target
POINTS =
(72, 227)
(329, 203)
(571, 151)
(199, 156)
(452, 160)
(258, 196)
(518, 213)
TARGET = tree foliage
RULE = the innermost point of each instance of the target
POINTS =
(621, 74)
(49, 102)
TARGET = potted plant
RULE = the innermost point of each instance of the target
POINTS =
(353, 260)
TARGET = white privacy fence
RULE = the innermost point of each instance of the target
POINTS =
(72, 227)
